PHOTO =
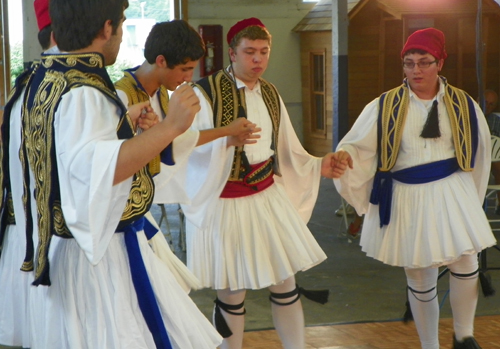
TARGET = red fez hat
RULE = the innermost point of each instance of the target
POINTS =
(430, 40)
(235, 29)
(42, 13)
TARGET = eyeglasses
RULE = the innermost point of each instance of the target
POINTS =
(421, 65)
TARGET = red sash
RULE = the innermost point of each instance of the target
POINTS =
(246, 187)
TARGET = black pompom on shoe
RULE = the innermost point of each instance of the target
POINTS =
(467, 343)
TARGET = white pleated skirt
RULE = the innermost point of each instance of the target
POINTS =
(252, 242)
(432, 224)
(98, 304)
(14, 288)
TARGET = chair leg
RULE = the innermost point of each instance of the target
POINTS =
(182, 230)
(167, 233)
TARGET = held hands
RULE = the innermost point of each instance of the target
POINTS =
(241, 132)
(335, 164)
(142, 115)
(183, 106)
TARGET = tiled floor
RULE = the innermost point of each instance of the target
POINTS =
(377, 335)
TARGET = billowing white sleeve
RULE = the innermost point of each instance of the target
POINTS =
(87, 149)
(361, 143)
(171, 182)
(482, 161)
(301, 172)
(208, 169)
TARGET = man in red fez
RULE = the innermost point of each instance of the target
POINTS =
(417, 164)
(246, 225)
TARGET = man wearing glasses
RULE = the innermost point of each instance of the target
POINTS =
(417, 163)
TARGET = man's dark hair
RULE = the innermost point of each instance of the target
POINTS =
(417, 51)
(44, 37)
(76, 23)
(176, 40)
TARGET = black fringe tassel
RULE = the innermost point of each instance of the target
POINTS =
(486, 285)
(221, 324)
(431, 127)
(318, 296)
(408, 316)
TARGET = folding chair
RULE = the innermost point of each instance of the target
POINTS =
(168, 233)
(492, 192)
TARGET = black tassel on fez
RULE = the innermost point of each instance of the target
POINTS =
(431, 127)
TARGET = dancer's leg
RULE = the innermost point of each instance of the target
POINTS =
(422, 294)
(288, 316)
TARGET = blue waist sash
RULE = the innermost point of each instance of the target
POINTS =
(382, 185)
(145, 294)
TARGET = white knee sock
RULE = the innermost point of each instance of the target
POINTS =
(463, 295)
(236, 323)
(288, 319)
(424, 304)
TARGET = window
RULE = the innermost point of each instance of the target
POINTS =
(318, 93)
(141, 16)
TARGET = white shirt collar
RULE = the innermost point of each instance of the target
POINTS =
(241, 84)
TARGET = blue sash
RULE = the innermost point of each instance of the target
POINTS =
(382, 185)
(145, 294)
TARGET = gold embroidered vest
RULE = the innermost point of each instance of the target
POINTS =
(221, 91)
(6, 204)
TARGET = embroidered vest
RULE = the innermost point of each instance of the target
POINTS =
(57, 75)
(6, 206)
(221, 91)
(393, 107)
(136, 94)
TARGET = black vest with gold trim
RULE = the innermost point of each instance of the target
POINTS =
(393, 108)
(57, 75)
(7, 208)
(226, 99)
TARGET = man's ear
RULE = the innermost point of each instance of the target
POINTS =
(107, 30)
(161, 61)
(440, 64)
(232, 55)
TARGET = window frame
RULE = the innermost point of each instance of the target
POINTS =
(317, 88)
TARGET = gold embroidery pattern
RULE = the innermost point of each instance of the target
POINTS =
(227, 111)
(260, 174)
(141, 196)
(457, 105)
(394, 111)
(60, 227)
(37, 134)
(11, 219)
(90, 60)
